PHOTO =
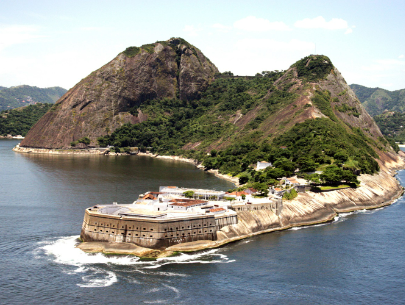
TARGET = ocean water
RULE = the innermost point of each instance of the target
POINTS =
(359, 258)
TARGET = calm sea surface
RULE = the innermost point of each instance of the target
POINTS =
(358, 259)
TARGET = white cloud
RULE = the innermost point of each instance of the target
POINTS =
(254, 24)
(191, 30)
(401, 56)
(221, 27)
(320, 23)
(17, 34)
(274, 45)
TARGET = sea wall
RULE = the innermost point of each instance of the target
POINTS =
(311, 208)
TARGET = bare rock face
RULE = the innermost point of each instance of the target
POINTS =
(100, 103)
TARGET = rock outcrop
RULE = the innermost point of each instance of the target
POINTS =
(102, 101)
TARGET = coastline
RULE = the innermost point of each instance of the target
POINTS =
(375, 191)
(307, 209)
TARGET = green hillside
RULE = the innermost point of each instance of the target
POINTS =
(19, 121)
(392, 125)
(24, 95)
(377, 100)
(303, 118)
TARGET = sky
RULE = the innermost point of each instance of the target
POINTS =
(58, 43)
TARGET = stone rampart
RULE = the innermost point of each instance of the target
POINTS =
(275, 206)
(151, 233)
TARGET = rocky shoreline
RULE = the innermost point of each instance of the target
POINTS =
(307, 209)
(375, 191)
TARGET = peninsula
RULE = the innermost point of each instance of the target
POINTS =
(168, 99)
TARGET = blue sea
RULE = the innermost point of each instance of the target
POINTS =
(357, 259)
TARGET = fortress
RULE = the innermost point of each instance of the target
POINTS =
(161, 219)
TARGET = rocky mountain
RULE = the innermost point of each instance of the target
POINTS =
(110, 96)
(377, 100)
(167, 97)
(24, 95)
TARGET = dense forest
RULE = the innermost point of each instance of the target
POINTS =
(19, 96)
(377, 100)
(20, 120)
(189, 128)
(392, 125)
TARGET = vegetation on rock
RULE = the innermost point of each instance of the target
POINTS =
(20, 120)
(207, 129)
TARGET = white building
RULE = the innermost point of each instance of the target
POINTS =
(262, 165)
(198, 193)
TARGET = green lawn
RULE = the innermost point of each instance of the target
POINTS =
(341, 186)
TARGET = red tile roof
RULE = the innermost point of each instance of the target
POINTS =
(217, 210)
(149, 196)
(186, 202)
(237, 193)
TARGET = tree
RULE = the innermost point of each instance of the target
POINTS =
(290, 195)
(285, 165)
(188, 194)
(243, 178)
(306, 164)
(85, 140)
(332, 175)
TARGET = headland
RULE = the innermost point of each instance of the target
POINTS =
(308, 208)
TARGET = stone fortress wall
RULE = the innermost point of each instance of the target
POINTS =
(152, 233)
(275, 205)
(161, 233)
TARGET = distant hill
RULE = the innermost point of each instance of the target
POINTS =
(392, 125)
(376, 100)
(19, 120)
(24, 95)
